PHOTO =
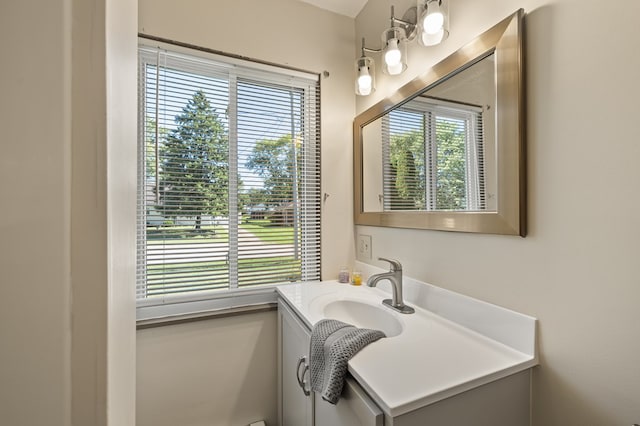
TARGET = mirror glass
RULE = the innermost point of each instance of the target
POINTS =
(436, 151)
(446, 151)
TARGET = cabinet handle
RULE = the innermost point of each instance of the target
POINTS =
(300, 377)
(301, 361)
(303, 385)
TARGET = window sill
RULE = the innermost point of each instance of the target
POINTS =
(225, 304)
(201, 316)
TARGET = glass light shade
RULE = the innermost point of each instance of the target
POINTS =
(365, 76)
(395, 51)
(395, 69)
(433, 25)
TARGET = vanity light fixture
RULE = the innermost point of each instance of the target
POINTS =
(395, 52)
(428, 21)
(433, 23)
(365, 71)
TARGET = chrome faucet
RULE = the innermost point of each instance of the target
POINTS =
(395, 277)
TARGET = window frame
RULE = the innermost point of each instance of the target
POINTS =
(231, 297)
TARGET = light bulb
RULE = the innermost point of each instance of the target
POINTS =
(392, 56)
(364, 81)
(433, 22)
(394, 69)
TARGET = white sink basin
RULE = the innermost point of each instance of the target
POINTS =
(364, 315)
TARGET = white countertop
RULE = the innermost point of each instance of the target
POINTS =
(434, 357)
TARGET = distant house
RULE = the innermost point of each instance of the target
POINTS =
(282, 215)
(258, 212)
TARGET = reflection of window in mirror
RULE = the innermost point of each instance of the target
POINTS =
(433, 157)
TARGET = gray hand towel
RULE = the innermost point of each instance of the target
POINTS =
(333, 344)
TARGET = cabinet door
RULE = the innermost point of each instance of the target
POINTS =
(354, 408)
(295, 407)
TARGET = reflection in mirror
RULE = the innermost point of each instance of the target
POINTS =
(446, 151)
(437, 151)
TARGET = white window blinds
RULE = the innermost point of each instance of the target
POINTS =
(229, 175)
(433, 157)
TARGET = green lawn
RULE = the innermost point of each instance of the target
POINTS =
(263, 229)
(267, 232)
(186, 234)
(209, 275)
(180, 277)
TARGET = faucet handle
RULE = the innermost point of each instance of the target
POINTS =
(395, 264)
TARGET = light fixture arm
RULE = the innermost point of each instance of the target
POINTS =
(410, 28)
(409, 22)
(368, 50)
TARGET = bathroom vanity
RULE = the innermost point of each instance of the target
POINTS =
(298, 405)
(456, 360)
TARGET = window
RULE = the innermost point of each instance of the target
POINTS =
(229, 176)
(433, 157)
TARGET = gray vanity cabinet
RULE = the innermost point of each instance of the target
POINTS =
(354, 408)
(295, 407)
(503, 402)
(295, 402)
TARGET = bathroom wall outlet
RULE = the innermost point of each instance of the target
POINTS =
(364, 247)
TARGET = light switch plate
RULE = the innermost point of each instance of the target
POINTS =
(364, 247)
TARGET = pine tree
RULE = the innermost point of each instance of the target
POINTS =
(194, 175)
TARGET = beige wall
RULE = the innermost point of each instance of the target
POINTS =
(219, 372)
(372, 175)
(230, 378)
(577, 271)
(35, 281)
(67, 317)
